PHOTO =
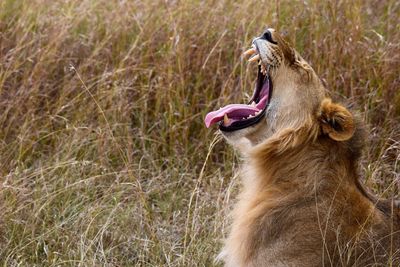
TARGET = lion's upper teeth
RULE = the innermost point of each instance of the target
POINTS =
(254, 58)
(250, 52)
(263, 69)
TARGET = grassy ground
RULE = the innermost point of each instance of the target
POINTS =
(104, 156)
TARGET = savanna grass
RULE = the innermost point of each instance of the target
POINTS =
(104, 157)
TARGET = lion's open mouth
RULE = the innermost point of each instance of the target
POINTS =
(239, 116)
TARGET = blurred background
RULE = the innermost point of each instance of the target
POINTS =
(105, 159)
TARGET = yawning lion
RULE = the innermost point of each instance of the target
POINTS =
(302, 202)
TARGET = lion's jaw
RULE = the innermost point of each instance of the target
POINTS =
(296, 95)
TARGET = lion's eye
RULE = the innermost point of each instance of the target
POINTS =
(267, 36)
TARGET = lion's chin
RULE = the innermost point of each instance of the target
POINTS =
(244, 139)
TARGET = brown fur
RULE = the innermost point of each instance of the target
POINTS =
(302, 203)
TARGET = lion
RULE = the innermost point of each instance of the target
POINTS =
(302, 202)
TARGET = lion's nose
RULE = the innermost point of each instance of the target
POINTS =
(267, 36)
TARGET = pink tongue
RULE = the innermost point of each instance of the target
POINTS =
(237, 112)
(234, 111)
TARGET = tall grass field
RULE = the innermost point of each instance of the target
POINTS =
(104, 156)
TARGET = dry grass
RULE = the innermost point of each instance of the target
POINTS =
(104, 156)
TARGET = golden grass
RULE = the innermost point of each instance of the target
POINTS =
(104, 156)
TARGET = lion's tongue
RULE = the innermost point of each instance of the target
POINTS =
(233, 111)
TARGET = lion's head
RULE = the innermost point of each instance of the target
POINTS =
(288, 95)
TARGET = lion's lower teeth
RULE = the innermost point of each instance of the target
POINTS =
(226, 120)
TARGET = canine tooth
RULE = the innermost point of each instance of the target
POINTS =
(263, 70)
(250, 52)
(226, 120)
(253, 104)
(254, 58)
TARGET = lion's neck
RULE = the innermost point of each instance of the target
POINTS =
(302, 170)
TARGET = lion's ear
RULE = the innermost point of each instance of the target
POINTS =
(336, 121)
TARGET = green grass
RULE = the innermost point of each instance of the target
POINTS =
(104, 156)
